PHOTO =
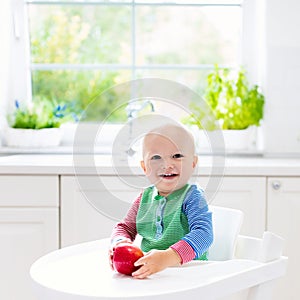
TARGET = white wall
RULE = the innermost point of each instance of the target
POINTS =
(282, 77)
(5, 57)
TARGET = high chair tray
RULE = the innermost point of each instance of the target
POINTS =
(82, 272)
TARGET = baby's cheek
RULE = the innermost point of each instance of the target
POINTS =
(149, 171)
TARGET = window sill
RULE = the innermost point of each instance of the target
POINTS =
(105, 137)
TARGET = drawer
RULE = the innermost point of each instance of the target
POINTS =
(26, 190)
(103, 187)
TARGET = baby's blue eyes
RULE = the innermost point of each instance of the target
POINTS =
(154, 157)
(177, 155)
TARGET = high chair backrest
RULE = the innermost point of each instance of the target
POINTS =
(227, 223)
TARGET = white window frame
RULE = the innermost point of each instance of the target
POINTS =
(21, 86)
(20, 53)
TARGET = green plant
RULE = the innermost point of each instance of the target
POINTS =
(234, 103)
(39, 114)
(53, 40)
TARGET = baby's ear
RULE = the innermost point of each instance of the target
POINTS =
(195, 161)
(143, 165)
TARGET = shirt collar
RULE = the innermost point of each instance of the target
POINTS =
(171, 196)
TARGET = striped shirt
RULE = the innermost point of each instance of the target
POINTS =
(194, 243)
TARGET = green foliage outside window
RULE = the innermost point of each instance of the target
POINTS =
(102, 34)
(64, 37)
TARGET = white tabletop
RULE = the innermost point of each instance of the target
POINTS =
(82, 272)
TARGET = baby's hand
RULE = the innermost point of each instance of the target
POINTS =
(155, 261)
(112, 249)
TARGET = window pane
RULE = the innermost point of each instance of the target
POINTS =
(80, 88)
(194, 79)
(80, 34)
(187, 35)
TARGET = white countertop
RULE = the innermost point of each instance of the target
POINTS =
(67, 164)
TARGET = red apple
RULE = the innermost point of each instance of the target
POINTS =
(124, 257)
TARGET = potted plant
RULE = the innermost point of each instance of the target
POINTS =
(36, 124)
(237, 107)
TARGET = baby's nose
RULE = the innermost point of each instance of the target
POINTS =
(168, 163)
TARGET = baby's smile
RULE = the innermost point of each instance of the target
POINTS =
(168, 175)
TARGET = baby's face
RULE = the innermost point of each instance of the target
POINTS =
(167, 163)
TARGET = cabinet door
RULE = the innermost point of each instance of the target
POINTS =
(25, 235)
(80, 220)
(247, 194)
(29, 190)
(283, 219)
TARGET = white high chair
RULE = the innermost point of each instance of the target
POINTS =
(240, 267)
(228, 244)
(227, 223)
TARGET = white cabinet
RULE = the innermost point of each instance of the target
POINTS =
(284, 219)
(29, 222)
(247, 194)
(86, 205)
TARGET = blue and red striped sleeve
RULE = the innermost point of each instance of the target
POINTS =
(200, 236)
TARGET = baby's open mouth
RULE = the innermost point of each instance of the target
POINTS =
(168, 175)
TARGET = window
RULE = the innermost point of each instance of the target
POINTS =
(80, 48)
(76, 49)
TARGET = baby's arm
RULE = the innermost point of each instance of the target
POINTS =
(124, 231)
(200, 236)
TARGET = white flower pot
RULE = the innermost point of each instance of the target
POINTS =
(234, 140)
(241, 140)
(46, 137)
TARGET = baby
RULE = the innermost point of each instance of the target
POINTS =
(171, 215)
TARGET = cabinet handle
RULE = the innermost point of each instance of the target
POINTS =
(276, 185)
